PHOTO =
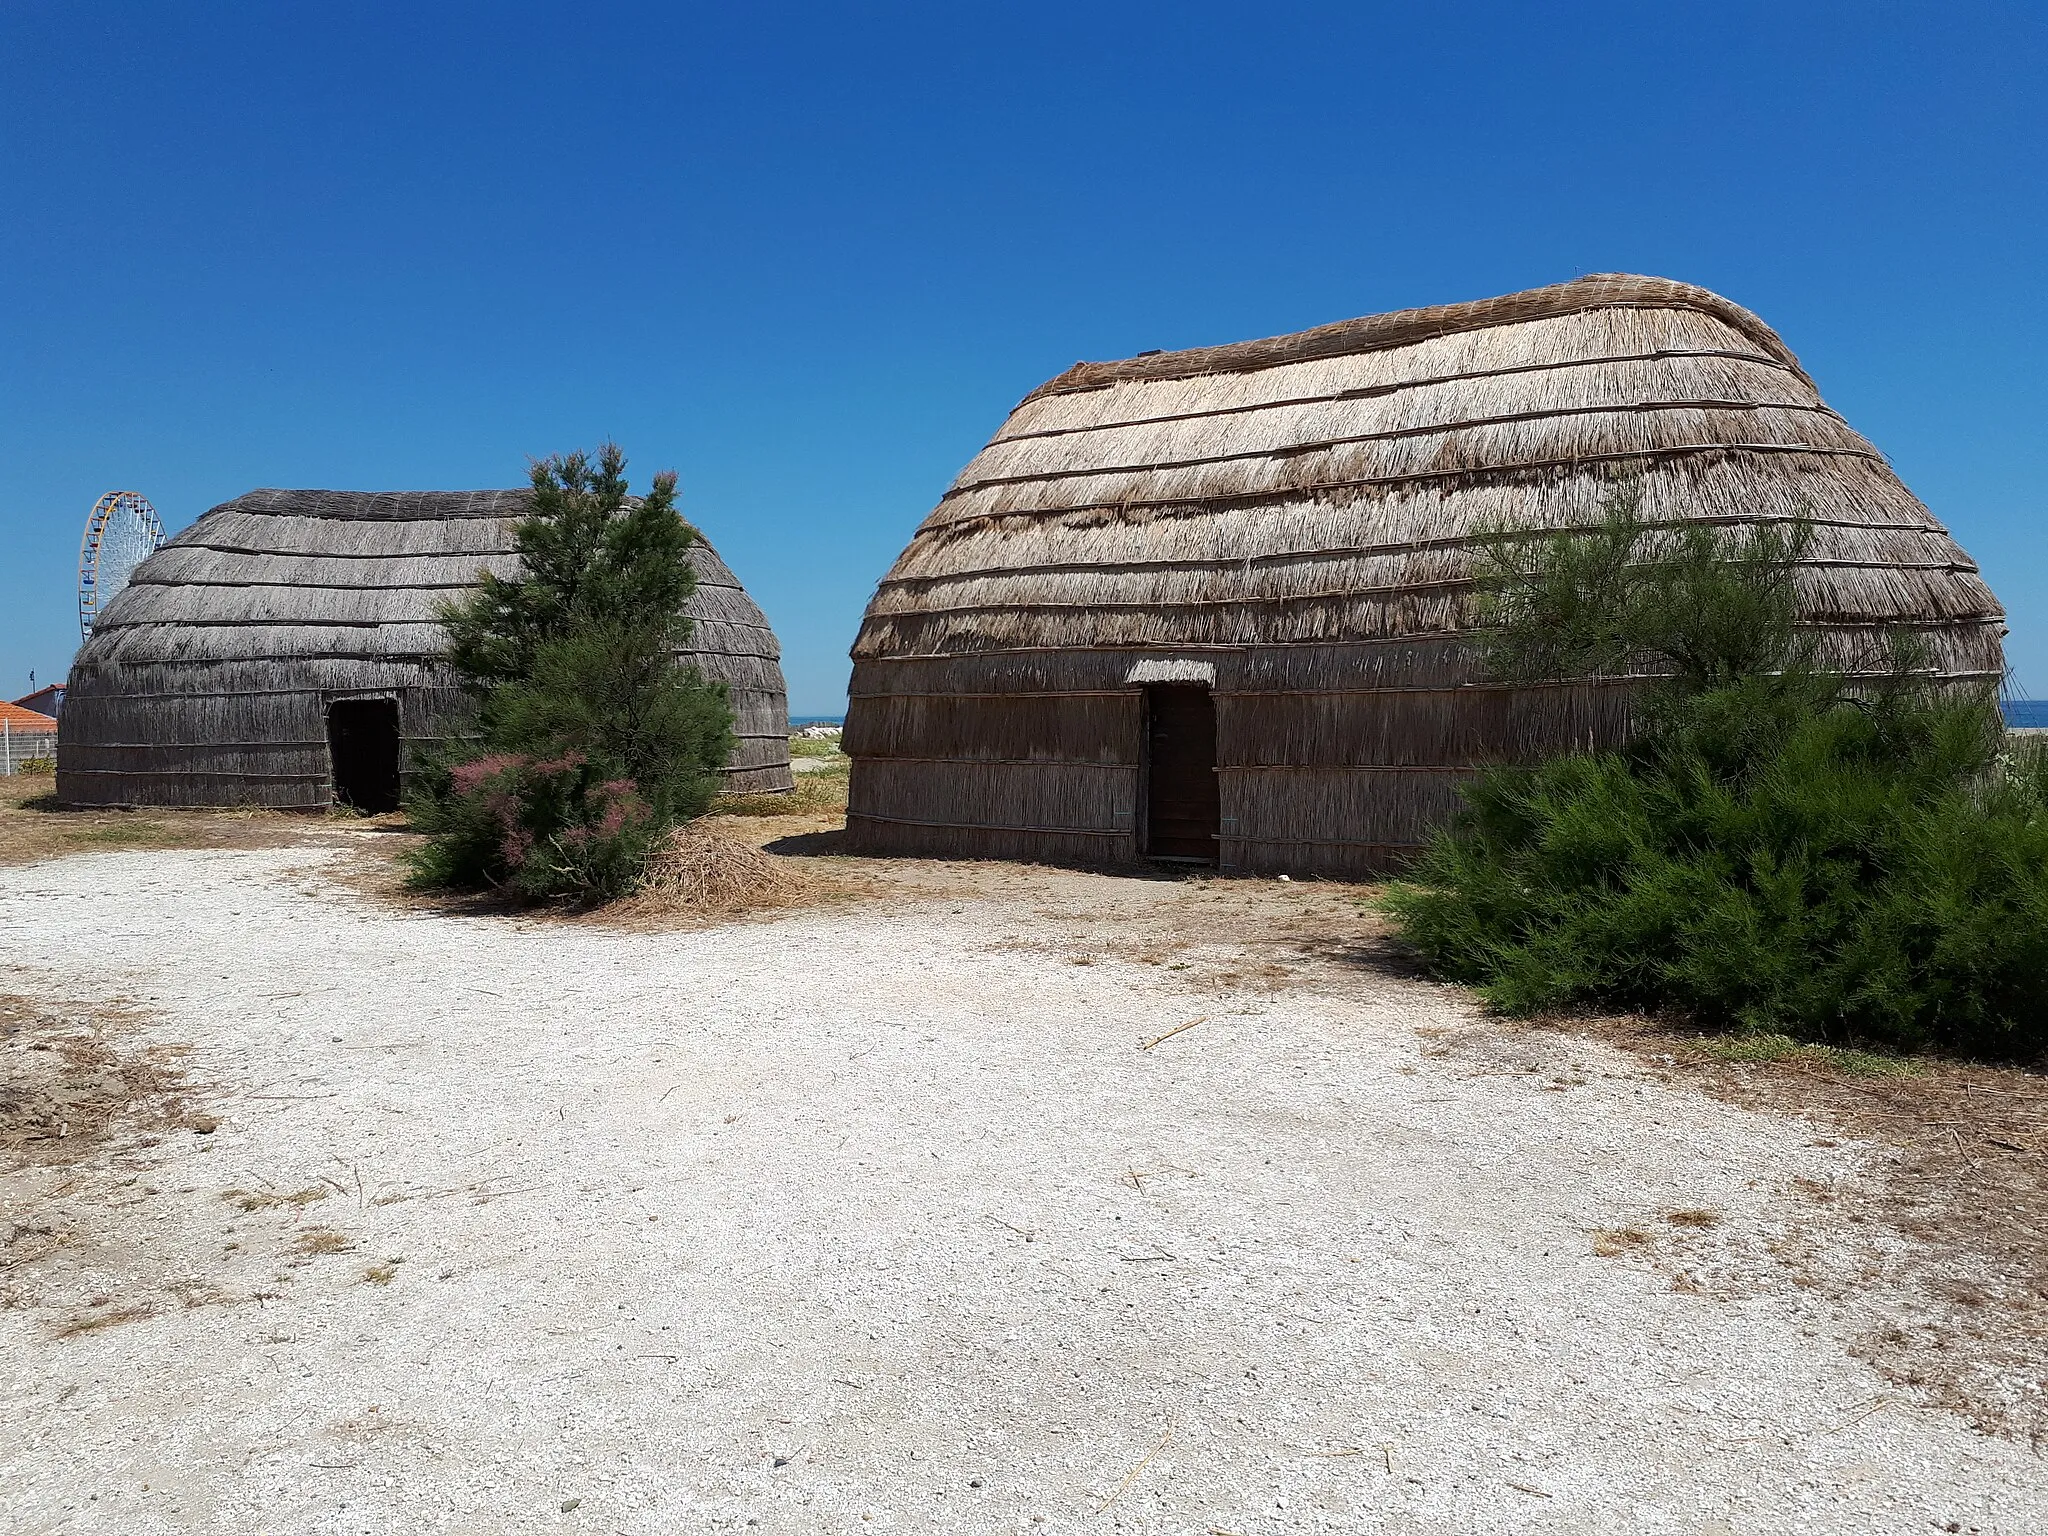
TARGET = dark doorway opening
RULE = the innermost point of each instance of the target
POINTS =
(1182, 804)
(362, 739)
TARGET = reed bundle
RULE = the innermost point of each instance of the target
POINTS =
(702, 872)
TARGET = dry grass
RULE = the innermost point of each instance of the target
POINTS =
(1783, 1048)
(817, 795)
(108, 1317)
(324, 1240)
(70, 1081)
(266, 1199)
(1609, 1241)
(34, 827)
(1693, 1218)
(705, 874)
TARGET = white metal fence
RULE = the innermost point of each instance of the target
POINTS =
(18, 747)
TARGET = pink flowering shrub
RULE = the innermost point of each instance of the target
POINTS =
(540, 828)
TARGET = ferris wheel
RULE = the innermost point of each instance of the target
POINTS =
(122, 532)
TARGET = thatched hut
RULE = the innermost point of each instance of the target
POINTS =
(283, 651)
(1208, 604)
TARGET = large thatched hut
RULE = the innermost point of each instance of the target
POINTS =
(1207, 604)
(283, 651)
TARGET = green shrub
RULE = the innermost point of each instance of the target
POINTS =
(1775, 851)
(589, 743)
(539, 829)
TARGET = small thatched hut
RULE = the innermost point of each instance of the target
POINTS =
(1207, 604)
(283, 651)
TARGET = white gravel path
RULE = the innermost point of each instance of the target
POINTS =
(831, 1225)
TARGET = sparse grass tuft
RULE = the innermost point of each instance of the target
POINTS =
(93, 1322)
(1768, 1047)
(120, 834)
(71, 1078)
(265, 1199)
(324, 1240)
(1609, 1241)
(381, 1274)
(1693, 1218)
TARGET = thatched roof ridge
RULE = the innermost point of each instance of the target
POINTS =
(1403, 327)
(389, 506)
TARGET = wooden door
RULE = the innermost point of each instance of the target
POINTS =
(1182, 805)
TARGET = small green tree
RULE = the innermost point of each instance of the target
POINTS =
(1695, 606)
(1778, 847)
(588, 742)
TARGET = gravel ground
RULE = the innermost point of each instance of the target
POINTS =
(879, 1218)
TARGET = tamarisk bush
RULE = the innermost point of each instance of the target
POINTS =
(588, 743)
(1777, 847)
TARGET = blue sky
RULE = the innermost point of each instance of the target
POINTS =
(811, 256)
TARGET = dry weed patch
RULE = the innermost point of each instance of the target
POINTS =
(33, 826)
(1783, 1048)
(266, 1199)
(108, 1317)
(1610, 1241)
(70, 1080)
(817, 796)
(324, 1240)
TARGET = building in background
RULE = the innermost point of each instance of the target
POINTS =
(26, 736)
(46, 700)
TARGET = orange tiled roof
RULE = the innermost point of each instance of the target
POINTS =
(20, 719)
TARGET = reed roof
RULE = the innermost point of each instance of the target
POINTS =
(285, 575)
(206, 680)
(1327, 486)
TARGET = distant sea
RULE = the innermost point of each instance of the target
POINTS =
(797, 722)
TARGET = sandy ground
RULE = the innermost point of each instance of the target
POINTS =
(881, 1216)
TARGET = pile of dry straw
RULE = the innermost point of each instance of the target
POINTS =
(705, 873)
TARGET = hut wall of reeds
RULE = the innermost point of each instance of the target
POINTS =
(1289, 524)
(209, 680)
